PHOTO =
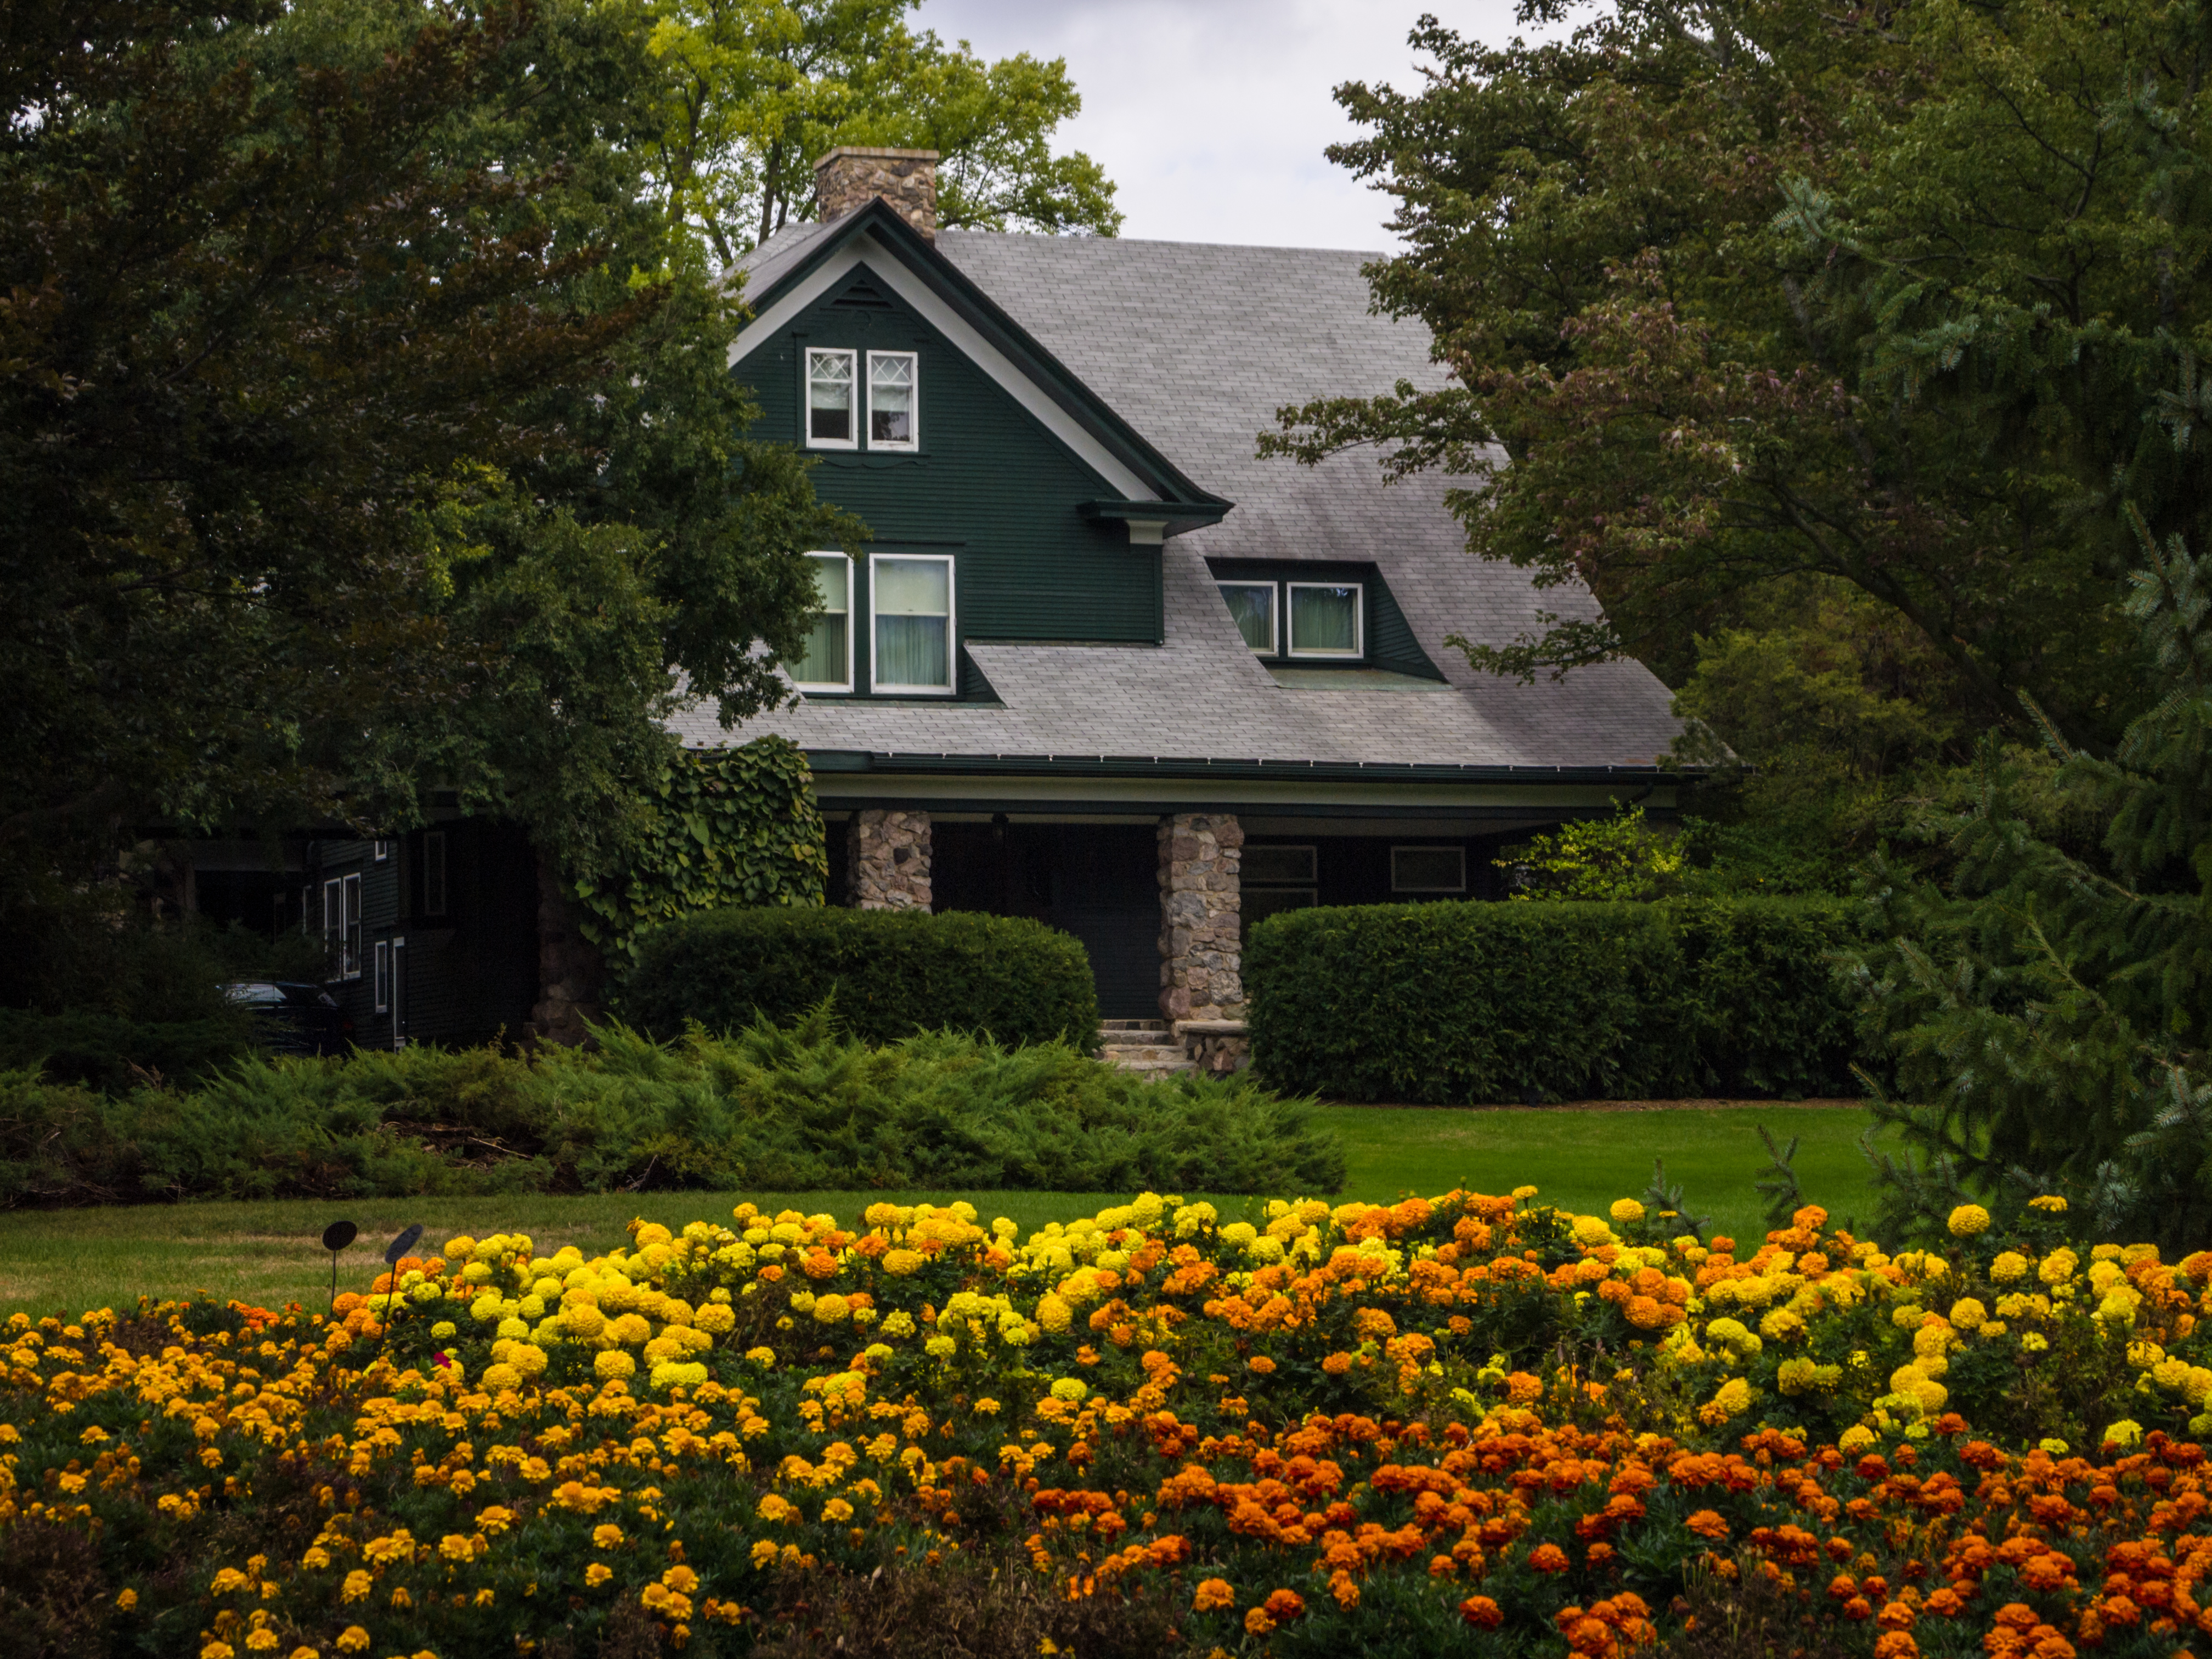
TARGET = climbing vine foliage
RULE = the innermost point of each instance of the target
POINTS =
(728, 827)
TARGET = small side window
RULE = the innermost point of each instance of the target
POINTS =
(1428, 870)
(1252, 605)
(434, 873)
(342, 924)
(1325, 619)
(383, 975)
(830, 405)
(826, 665)
(891, 411)
(383, 850)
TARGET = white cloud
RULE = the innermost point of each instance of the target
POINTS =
(1211, 115)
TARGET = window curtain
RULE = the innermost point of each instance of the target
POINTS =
(1254, 611)
(824, 662)
(913, 608)
(1325, 619)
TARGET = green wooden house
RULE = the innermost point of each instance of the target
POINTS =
(1099, 665)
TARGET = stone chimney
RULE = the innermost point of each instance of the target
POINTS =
(849, 177)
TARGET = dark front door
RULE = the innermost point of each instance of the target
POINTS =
(1097, 881)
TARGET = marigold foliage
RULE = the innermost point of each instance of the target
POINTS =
(1478, 1417)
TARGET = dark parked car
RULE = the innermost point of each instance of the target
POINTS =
(293, 1020)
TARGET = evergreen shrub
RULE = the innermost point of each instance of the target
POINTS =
(891, 973)
(792, 1108)
(108, 1051)
(1454, 1004)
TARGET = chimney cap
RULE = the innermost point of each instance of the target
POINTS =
(870, 153)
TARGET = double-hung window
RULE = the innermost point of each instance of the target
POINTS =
(1252, 605)
(826, 663)
(891, 411)
(383, 982)
(831, 407)
(342, 924)
(910, 597)
(1325, 619)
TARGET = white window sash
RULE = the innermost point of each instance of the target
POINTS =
(350, 944)
(846, 615)
(876, 682)
(383, 977)
(854, 397)
(913, 439)
(1358, 621)
(1274, 647)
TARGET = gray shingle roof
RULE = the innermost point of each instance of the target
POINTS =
(1197, 346)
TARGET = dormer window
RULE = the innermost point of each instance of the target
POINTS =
(1325, 619)
(830, 405)
(1252, 605)
(891, 400)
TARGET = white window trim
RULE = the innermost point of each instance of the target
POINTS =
(383, 850)
(807, 356)
(851, 643)
(436, 861)
(383, 982)
(1274, 647)
(1358, 621)
(346, 890)
(951, 629)
(1397, 887)
(912, 405)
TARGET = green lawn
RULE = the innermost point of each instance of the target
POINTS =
(68, 1260)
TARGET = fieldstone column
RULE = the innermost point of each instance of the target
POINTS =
(889, 861)
(571, 972)
(1201, 953)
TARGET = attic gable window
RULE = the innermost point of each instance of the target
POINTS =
(1252, 605)
(1325, 619)
(826, 665)
(891, 400)
(829, 402)
(911, 599)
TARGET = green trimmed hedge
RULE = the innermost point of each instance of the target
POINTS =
(891, 973)
(1457, 1004)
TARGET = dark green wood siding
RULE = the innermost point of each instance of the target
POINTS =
(990, 485)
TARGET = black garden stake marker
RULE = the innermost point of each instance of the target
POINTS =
(335, 1237)
(392, 1253)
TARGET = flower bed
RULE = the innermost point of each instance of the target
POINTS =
(1469, 1422)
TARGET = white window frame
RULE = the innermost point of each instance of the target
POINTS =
(852, 642)
(381, 850)
(438, 899)
(342, 922)
(807, 356)
(913, 404)
(383, 982)
(1358, 621)
(1397, 887)
(951, 629)
(1275, 645)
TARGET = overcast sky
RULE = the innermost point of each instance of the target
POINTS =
(1211, 115)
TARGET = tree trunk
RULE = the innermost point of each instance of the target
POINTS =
(571, 973)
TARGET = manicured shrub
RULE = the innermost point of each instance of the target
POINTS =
(793, 1108)
(107, 1051)
(891, 973)
(1447, 1004)
(1460, 1425)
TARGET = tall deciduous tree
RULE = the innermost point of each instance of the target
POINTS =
(361, 425)
(1909, 299)
(752, 91)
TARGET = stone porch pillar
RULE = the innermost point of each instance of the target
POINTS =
(1202, 952)
(889, 860)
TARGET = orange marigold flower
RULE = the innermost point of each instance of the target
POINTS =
(1256, 1622)
(1549, 1557)
(1896, 1644)
(1707, 1523)
(1858, 1607)
(1284, 1604)
(1345, 1588)
(1482, 1612)
(1337, 1364)
(1261, 1364)
(1212, 1592)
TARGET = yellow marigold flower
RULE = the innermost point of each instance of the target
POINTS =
(2125, 1432)
(126, 1601)
(1782, 1325)
(1734, 1397)
(495, 1519)
(1590, 1231)
(598, 1574)
(761, 1356)
(1627, 1210)
(829, 1309)
(1968, 1220)
(1214, 1593)
(2035, 1342)
(352, 1639)
(356, 1587)
(764, 1553)
(939, 1347)
(2009, 1267)
(901, 1263)
(613, 1363)
(1968, 1314)
(583, 1322)
(1070, 1387)
(606, 1536)
(1855, 1438)
(2058, 1266)
(2049, 1204)
(228, 1579)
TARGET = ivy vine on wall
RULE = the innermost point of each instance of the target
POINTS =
(729, 826)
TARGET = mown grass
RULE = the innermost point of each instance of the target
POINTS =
(64, 1261)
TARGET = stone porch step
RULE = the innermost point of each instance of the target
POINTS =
(1145, 1047)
